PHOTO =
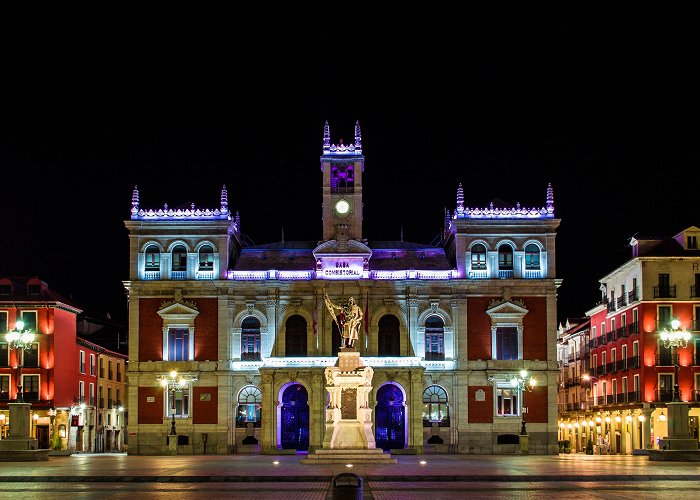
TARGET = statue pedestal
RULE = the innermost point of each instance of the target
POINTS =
(172, 444)
(20, 446)
(678, 446)
(349, 436)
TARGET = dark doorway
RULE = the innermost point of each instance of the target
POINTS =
(390, 418)
(42, 436)
(295, 418)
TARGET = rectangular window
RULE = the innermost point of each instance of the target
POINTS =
(664, 317)
(3, 321)
(4, 387)
(434, 348)
(81, 391)
(92, 394)
(602, 329)
(119, 372)
(109, 398)
(178, 344)
(478, 261)
(30, 357)
(4, 355)
(102, 368)
(92, 365)
(29, 318)
(30, 387)
(614, 390)
(506, 402)
(110, 375)
(82, 362)
(624, 357)
(179, 402)
(692, 242)
(506, 343)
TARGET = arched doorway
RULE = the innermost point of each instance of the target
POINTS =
(295, 418)
(390, 421)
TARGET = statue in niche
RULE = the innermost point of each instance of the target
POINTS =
(348, 319)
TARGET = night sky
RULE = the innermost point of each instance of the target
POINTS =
(606, 115)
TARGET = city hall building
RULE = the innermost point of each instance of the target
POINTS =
(447, 329)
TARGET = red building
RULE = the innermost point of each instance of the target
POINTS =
(55, 371)
(633, 373)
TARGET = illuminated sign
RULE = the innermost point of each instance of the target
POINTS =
(342, 268)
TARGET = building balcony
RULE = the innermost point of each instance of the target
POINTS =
(178, 275)
(634, 397)
(478, 274)
(434, 356)
(505, 274)
(621, 301)
(633, 362)
(633, 296)
(533, 274)
(665, 292)
(151, 275)
(250, 356)
(611, 307)
(666, 359)
(664, 395)
(205, 275)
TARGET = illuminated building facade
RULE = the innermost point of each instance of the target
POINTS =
(445, 327)
(631, 373)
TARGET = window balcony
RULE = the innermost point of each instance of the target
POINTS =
(205, 275)
(665, 292)
(505, 274)
(633, 328)
(151, 275)
(434, 356)
(478, 275)
(621, 365)
(664, 395)
(621, 397)
(533, 274)
(621, 301)
(610, 399)
(633, 296)
(250, 356)
(633, 362)
(611, 307)
(102, 402)
(178, 275)
(634, 397)
(666, 359)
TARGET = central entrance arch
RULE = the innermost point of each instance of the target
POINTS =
(390, 418)
(294, 425)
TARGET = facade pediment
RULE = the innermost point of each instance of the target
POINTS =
(507, 308)
(178, 310)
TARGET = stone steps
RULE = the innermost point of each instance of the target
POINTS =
(338, 456)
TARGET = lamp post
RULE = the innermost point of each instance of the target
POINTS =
(523, 382)
(674, 339)
(19, 339)
(172, 383)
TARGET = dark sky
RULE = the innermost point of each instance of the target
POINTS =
(605, 113)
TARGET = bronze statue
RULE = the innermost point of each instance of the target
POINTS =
(348, 320)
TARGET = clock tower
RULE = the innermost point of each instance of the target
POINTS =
(342, 167)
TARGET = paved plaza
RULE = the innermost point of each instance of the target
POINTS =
(285, 477)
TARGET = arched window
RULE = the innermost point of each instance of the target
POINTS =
(249, 400)
(478, 262)
(295, 337)
(250, 339)
(179, 263)
(532, 256)
(505, 258)
(206, 258)
(434, 339)
(152, 261)
(389, 339)
(435, 408)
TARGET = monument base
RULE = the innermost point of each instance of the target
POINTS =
(348, 456)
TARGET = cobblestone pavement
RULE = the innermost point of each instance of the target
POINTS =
(285, 477)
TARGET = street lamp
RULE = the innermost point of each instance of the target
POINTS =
(172, 383)
(20, 340)
(523, 382)
(674, 339)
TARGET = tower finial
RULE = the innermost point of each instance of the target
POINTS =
(224, 200)
(550, 199)
(460, 199)
(358, 137)
(135, 201)
(237, 221)
(326, 136)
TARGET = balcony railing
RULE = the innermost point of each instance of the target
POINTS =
(610, 337)
(621, 365)
(505, 274)
(251, 356)
(633, 295)
(621, 301)
(151, 275)
(610, 399)
(664, 395)
(665, 292)
(633, 328)
(434, 356)
(634, 397)
(633, 362)
(666, 359)
(178, 275)
(611, 307)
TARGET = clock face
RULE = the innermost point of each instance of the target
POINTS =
(342, 207)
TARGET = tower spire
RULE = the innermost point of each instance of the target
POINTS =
(550, 199)
(224, 200)
(135, 201)
(326, 137)
(460, 198)
(358, 137)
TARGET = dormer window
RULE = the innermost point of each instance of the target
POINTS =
(692, 242)
(5, 290)
(33, 289)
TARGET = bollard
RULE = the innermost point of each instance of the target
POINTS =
(346, 486)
